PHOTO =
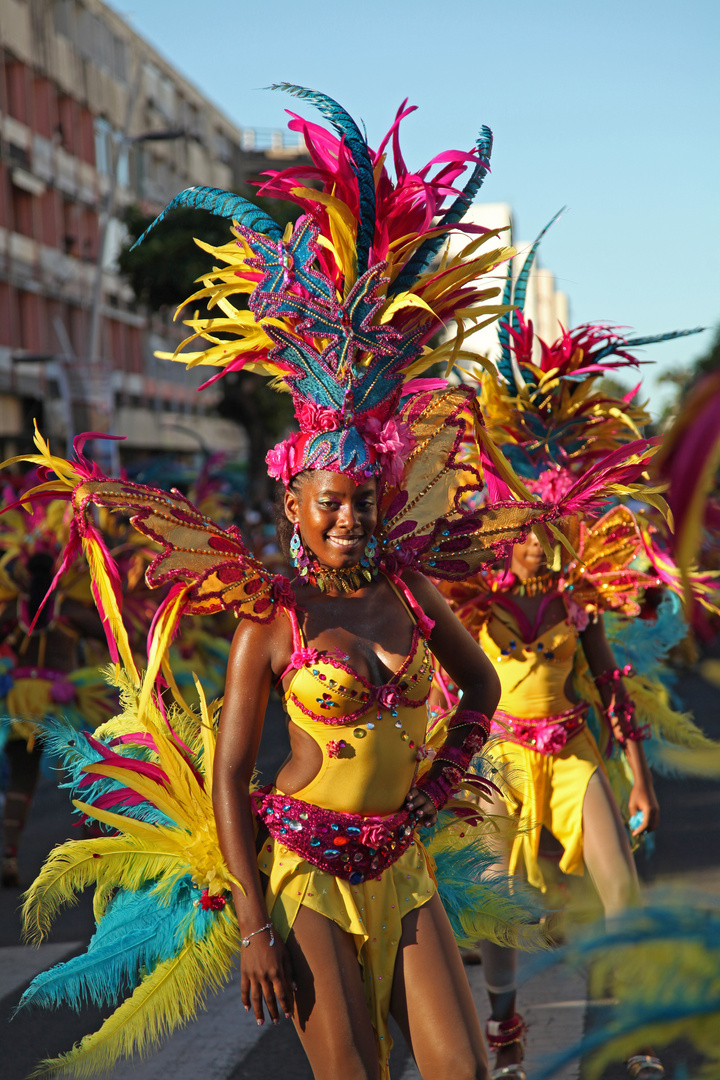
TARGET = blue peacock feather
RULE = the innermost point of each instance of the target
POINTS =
(635, 343)
(224, 204)
(517, 296)
(361, 163)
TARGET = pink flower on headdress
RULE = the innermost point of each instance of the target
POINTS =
(314, 418)
(391, 441)
(552, 484)
(282, 460)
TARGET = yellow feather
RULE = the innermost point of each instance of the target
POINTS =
(167, 998)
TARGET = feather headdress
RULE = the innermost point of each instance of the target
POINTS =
(548, 410)
(340, 308)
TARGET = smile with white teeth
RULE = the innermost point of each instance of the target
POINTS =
(345, 541)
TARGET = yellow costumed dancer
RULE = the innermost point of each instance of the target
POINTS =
(544, 633)
(45, 618)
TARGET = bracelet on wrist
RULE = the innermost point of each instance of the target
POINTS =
(245, 941)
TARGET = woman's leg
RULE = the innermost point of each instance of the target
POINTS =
(500, 963)
(606, 848)
(331, 1015)
(431, 999)
(24, 772)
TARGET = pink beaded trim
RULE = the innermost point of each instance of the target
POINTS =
(547, 735)
(349, 846)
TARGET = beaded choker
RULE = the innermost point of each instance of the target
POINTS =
(538, 583)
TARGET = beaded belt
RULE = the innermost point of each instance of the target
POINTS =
(547, 735)
(349, 846)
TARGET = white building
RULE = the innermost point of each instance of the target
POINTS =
(545, 305)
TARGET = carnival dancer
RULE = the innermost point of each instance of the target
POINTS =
(543, 630)
(322, 880)
(44, 620)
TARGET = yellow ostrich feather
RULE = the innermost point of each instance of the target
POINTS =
(167, 998)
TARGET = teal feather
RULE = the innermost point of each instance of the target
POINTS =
(224, 204)
(361, 163)
(137, 931)
(645, 643)
(425, 254)
(63, 743)
(668, 959)
(470, 887)
(505, 363)
(635, 343)
(521, 284)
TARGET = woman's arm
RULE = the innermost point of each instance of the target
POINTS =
(473, 674)
(612, 692)
(255, 653)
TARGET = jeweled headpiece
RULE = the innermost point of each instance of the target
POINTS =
(341, 306)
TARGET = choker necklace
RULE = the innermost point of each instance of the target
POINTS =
(346, 579)
(538, 583)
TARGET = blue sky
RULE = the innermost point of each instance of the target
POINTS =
(610, 108)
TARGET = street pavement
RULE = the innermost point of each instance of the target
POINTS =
(225, 1043)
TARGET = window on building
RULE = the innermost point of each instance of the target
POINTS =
(16, 77)
(45, 118)
(49, 219)
(103, 146)
(22, 207)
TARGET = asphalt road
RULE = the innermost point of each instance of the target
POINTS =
(225, 1044)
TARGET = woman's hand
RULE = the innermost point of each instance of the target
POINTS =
(643, 800)
(422, 806)
(266, 975)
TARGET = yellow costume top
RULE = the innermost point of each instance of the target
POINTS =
(370, 737)
(534, 671)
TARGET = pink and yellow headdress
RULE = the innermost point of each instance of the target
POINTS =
(342, 306)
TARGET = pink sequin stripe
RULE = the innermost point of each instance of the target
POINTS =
(546, 735)
(349, 846)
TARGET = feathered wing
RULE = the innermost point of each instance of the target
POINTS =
(166, 935)
(169, 995)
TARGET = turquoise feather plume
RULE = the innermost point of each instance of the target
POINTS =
(138, 931)
(361, 163)
(225, 204)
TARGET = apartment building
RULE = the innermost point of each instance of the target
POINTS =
(93, 119)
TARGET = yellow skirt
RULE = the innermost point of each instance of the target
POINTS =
(372, 912)
(549, 790)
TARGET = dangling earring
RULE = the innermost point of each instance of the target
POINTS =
(298, 557)
(369, 556)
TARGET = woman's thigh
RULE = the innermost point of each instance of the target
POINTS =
(431, 999)
(606, 848)
(331, 1015)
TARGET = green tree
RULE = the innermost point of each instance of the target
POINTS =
(161, 273)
